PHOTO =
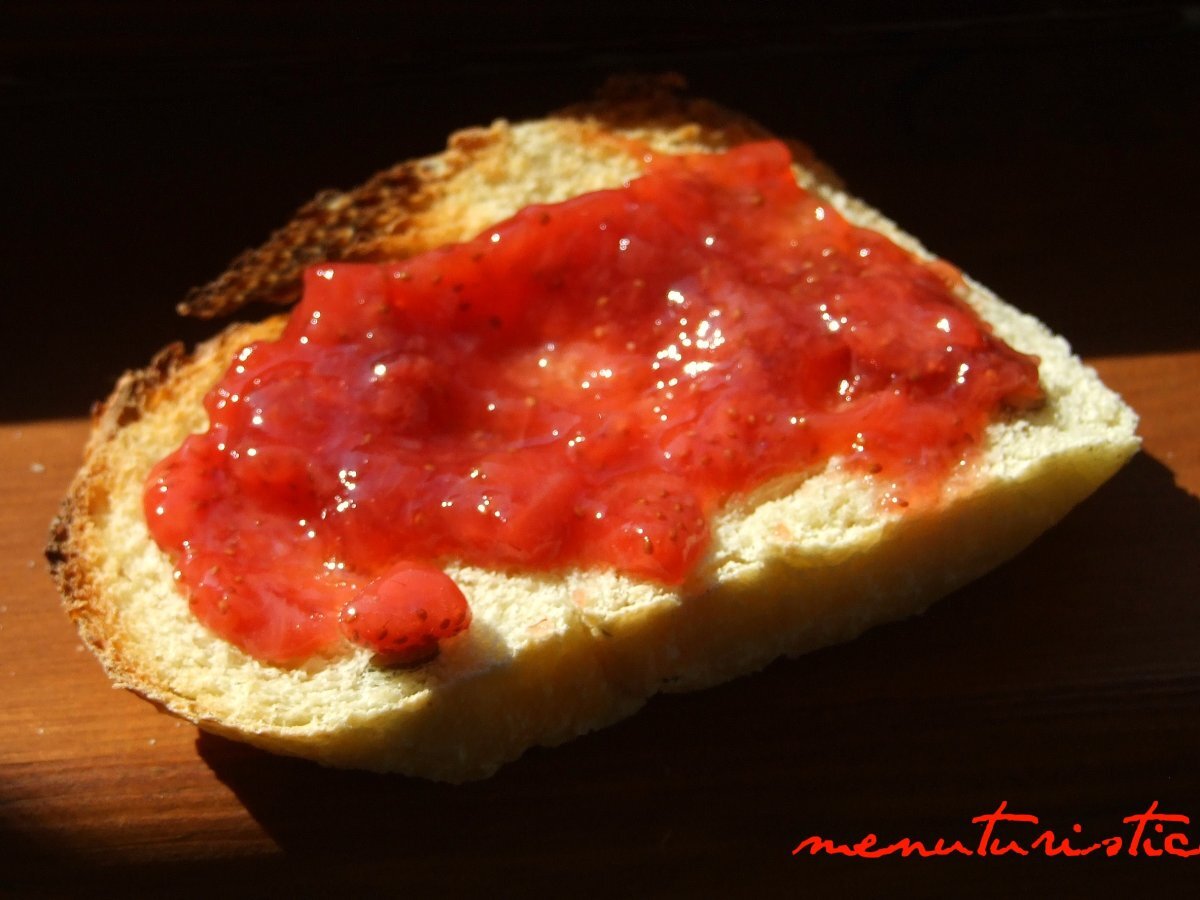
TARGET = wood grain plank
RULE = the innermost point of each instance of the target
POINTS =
(1066, 682)
(1165, 390)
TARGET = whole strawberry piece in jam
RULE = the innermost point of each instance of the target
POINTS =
(402, 614)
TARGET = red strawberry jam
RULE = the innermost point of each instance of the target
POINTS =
(583, 385)
(402, 614)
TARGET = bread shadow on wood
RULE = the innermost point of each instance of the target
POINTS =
(855, 735)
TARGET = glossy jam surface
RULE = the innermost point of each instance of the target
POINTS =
(583, 385)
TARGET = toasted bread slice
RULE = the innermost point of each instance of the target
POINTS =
(804, 562)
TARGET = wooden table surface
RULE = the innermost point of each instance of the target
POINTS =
(1066, 683)
(1048, 148)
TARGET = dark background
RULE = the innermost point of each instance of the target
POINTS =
(1047, 148)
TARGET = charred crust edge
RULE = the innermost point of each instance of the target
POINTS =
(333, 226)
(124, 406)
(358, 224)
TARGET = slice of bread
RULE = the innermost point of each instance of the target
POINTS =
(804, 562)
